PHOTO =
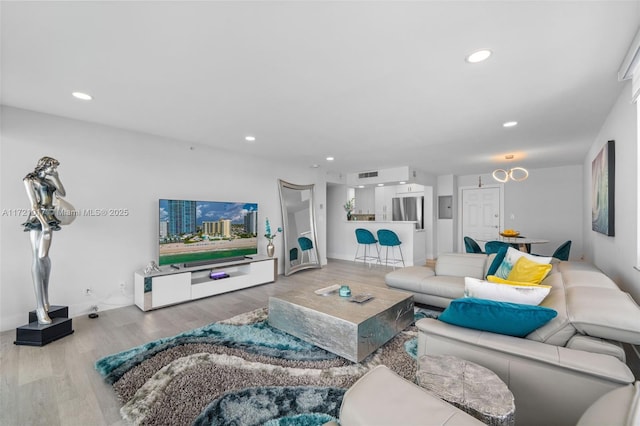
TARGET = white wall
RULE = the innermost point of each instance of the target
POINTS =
(337, 232)
(104, 167)
(617, 255)
(445, 228)
(548, 205)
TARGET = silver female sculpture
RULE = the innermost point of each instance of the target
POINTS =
(43, 186)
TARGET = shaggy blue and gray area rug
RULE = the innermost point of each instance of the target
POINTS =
(241, 372)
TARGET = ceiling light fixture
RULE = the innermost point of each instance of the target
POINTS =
(516, 174)
(330, 158)
(402, 183)
(478, 56)
(82, 96)
(381, 184)
(510, 124)
(250, 138)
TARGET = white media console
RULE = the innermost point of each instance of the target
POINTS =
(171, 286)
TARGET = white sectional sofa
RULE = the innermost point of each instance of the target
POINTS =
(557, 371)
(382, 398)
(440, 285)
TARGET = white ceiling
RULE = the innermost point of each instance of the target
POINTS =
(374, 84)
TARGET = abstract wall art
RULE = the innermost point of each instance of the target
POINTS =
(603, 170)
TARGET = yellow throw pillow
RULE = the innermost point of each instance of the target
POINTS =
(528, 271)
(497, 280)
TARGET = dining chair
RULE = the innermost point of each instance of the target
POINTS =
(491, 247)
(471, 246)
(562, 252)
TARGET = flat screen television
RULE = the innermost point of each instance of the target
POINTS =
(200, 232)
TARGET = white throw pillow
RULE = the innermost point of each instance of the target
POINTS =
(524, 294)
(512, 256)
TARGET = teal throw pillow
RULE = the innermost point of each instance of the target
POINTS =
(512, 319)
(497, 261)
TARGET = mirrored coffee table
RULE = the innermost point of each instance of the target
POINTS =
(349, 329)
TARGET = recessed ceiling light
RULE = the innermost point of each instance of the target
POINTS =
(83, 96)
(381, 184)
(330, 158)
(478, 56)
(250, 138)
(315, 166)
(360, 186)
(402, 183)
(510, 124)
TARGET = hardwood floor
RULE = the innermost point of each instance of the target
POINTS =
(57, 384)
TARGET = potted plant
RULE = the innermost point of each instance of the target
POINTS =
(270, 237)
(349, 207)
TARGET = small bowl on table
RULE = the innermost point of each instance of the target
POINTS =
(510, 234)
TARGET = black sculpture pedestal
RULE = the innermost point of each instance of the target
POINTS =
(34, 334)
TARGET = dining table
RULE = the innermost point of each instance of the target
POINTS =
(523, 243)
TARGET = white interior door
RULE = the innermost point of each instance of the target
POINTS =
(481, 213)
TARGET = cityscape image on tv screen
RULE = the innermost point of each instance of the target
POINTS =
(200, 231)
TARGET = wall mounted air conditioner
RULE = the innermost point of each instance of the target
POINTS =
(385, 176)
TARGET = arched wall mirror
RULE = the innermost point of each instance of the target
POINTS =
(299, 227)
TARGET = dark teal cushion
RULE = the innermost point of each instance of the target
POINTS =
(512, 319)
(497, 261)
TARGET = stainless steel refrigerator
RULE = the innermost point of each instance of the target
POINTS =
(409, 209)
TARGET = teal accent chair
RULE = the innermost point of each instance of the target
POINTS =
(305, 245)
(562, 252)
(493, 246)
(366, 238)
(387, 238)
(471, 246)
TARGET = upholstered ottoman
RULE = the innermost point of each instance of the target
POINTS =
(383, 398)
(470, 387)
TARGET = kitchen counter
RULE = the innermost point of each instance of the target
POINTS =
(413, 240)
(363, 217)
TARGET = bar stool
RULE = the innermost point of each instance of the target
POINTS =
(293, 256)
(387, 238)
(366, 238)
(305, 245)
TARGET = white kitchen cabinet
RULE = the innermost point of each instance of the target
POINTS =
(365, 200)
(409, 189)
(384, 195)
